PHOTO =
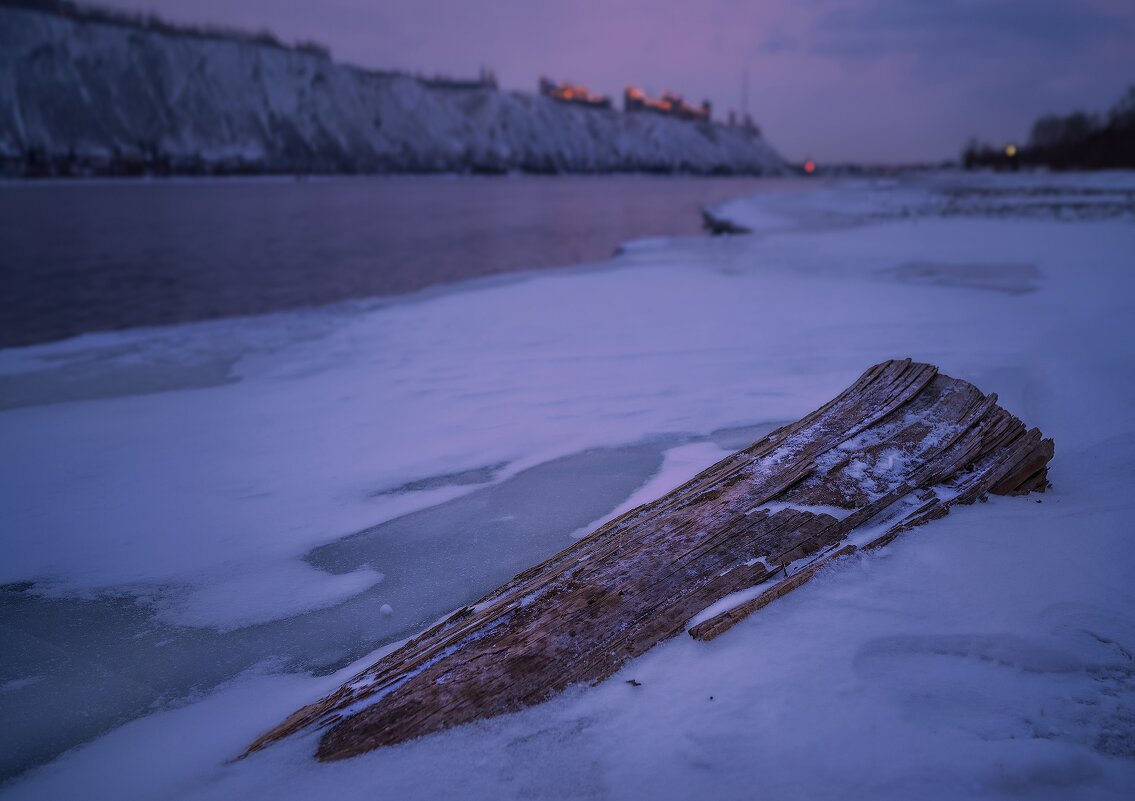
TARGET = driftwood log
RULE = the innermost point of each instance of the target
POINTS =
(893, 451)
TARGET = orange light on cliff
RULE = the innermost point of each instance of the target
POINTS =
(572, 93)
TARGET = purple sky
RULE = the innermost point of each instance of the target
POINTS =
(875, 80)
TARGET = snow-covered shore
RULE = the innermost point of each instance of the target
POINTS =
(88, 95)
(987, 655)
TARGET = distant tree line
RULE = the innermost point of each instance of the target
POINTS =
(152, 22)
(1074, 141)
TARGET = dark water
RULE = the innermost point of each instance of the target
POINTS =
(79, 257)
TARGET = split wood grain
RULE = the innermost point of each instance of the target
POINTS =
(893, 451)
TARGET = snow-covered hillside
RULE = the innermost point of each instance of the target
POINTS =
(92, 93)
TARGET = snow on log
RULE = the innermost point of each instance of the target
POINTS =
(893, 451)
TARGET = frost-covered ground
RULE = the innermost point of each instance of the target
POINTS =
(179, 576)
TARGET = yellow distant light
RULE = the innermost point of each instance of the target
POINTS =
(1010, 150)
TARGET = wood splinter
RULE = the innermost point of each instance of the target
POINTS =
(893, 451)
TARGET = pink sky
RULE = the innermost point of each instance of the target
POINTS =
(833, 80)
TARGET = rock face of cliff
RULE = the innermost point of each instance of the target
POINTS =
(88, 96)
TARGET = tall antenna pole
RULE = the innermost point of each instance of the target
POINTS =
(745, 91)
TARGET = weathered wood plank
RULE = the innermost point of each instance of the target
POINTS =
(893, 451)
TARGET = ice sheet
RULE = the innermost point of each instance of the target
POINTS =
(988, 655)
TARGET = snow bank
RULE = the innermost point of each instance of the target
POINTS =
(1036, 195)
(988, 655)
(93, 93)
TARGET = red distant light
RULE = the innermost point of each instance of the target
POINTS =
(809, 167)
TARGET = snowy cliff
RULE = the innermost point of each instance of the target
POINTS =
(90, 96)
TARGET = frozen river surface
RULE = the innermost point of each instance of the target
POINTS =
(209, 525)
